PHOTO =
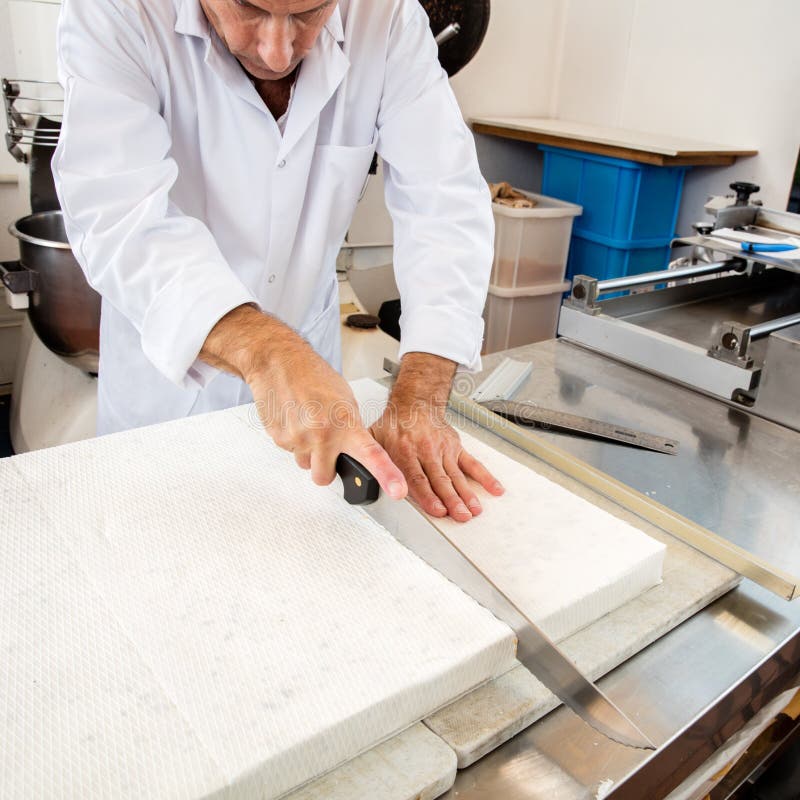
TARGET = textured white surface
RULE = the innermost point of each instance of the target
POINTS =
(561, 559)
(184, 614)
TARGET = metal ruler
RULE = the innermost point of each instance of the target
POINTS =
(531, 414)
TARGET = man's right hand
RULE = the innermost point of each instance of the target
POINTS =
(303, 403)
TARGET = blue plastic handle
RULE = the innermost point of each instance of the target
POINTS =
(756, 247)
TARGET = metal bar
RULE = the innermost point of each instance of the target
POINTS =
(504, 381)
(17, 97)
(531, 414)
(34, 132)
(31, 80)
(765, 328)
(448, 33)
(714, 546)
(680, 361)
(613, 284)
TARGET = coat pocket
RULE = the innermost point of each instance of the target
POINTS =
(338, 177)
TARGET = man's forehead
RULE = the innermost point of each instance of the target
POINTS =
(289, 6)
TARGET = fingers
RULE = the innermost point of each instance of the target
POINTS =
(421, 491)
(473, 468)
(439, 491)
(445, 482)
(463, 487)
(364, 449)
(442, 486)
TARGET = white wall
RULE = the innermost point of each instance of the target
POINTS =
(722, 71)
(513, 73)
(715, 70)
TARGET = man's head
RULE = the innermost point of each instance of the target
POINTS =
(269, 37)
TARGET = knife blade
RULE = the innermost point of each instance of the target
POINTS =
(535, 650)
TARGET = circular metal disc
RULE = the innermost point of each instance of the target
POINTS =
(472, 16)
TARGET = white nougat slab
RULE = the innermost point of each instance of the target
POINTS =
(189, 616)
(561, 559)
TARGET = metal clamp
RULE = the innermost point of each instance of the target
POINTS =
(584, 294)
(731, 340)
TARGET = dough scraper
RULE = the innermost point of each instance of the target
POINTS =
(535, 650)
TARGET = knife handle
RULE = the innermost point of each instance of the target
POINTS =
(360, 485)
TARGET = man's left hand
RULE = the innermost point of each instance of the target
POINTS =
(428, 451)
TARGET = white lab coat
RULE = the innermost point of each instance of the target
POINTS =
(182, 200)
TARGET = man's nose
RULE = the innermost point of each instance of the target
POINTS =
(276, 43)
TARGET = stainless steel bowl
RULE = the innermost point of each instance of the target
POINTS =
(64, 310)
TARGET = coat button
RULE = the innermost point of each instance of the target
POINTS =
(282, 164)
(271, 278)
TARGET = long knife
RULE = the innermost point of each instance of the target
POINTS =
(535, 650)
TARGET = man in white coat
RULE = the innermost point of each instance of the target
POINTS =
(211, 157)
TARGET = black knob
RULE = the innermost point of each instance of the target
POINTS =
(743, 191)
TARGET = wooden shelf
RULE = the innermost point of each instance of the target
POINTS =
(646, 148)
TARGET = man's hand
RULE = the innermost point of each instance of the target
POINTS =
(428, 451)
(303, 403)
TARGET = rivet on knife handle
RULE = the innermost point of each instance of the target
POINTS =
(360, 485)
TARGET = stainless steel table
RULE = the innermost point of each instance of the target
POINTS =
(737, 475)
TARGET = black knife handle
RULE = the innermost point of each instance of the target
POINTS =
(360, 486)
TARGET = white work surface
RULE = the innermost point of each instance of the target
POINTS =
(185, 615)
(614, 137)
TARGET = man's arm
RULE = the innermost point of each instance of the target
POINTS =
(428, 451)
(443, 231)
(304, 404)
(160, 268)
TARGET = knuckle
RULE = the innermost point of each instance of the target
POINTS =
(417, 479)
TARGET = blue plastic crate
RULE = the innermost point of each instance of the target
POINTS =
(622, 200)
(603, 260)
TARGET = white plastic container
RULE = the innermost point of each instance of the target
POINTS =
(531, 244)
(520, 316)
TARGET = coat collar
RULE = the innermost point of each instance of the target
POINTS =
(191, 21)
(321, 72)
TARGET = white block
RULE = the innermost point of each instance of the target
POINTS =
(561, 559)
(183, 614)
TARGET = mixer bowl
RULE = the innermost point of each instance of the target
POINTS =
(63, 309)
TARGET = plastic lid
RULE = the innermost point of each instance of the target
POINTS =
(545, 207)
(530, 291)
